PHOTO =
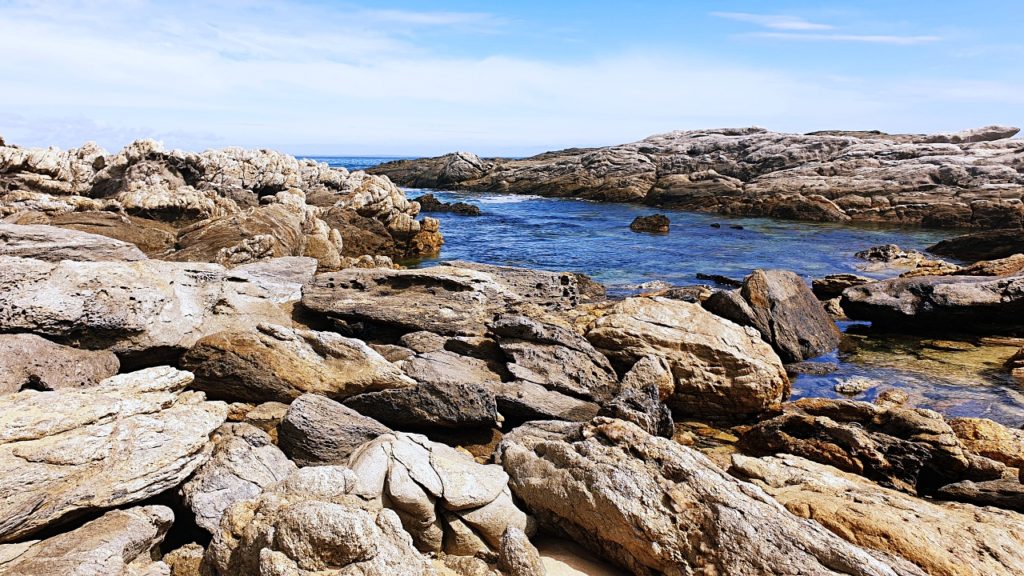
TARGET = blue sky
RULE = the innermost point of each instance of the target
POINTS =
(414, 78)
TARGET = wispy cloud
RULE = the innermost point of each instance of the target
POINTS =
(440, 19)
(865, 38)
(773, 21)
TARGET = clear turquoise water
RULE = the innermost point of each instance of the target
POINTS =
(594, 238)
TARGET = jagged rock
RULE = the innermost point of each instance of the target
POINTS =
(317, 430)
(446, 501)
(986, 245)
(641, 406)
(243, 462)
(277, 363)
(908, 449)
(430, 203)
(1005, 493)
(428, 406)
(719, 280)
(30, 361)
(783, 309)
(312, 523)
(947, 180)
(654, 506)
(892, 257)
(990, 439)
(721, 370)
(655, 223)
(998, 267)
(943, 539)
(146, 310)
(832, 286)
(963, 303)
(186, 560)
(119, 543)
(54, 244)
(70, 452)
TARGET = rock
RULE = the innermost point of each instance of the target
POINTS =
(781, 307)
(430, 203)
(999, 267)
(517, 556)
(119, 543)
(990, 439)
(641, 406)
(277, 363)
(913, 450)
(855, 385)
(655, 223)
(813, 368)
(1015, 364)
(967, 179)
(939, 303)
(945, 539)
(32, 362)
(317, 430)
(1007, 493)
(719, 279)
(71, 452)
(266, 416)
(154, 238)
(312, 523)
(987, 245)
(522, 401)
(427, 406)
(185, 561)
(721, 370)
(651, 371)
(891, 256)
(54, 244)
(652, 505)
(446, 501)
(243, 462)
(833, 285)
(444, 368)
(281, 278)
(145, 312)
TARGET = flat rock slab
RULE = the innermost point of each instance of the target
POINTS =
(54, 244)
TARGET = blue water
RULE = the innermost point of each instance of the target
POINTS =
(594, 238)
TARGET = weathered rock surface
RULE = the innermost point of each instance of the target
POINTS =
(30, 361)
(317, 430)
(982, 245)
(312, 524)
(277, 363)
(721, 370)
(892, 258)
(641, 406)
(943, 539)
(69, 452)
(156, 239)
(186, 560)
(281, 278)
(119, 543)
(148, 310)
(964, 179)
(655, 223)
(1005, 493)
(832, 286)
(55, 244)
(990, 439)
(426, 406)
(654, 506)
(985, 303)
(430, 203)
(244, 461)
(783, 309)
(521, 401)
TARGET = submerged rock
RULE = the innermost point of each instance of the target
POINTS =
(655, 223)
(430, 203)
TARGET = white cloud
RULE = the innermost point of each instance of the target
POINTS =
(773, 21)
(865, 38)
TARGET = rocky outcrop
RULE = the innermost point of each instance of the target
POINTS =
(654, 506)
(243, 462)
(70, 452)
(655, 223)
(943, 539)
(317, 431)
(119, 543)
(833, 285)
(721, 370)
(948, 180)
(982, 245)
(54, 244)
(33, 362)
(147, 311)
(430, 203)
(277, 363)
(783, 309)
(891, 258)
(1007, 493)
(990, 439)
(965, 303)
(156, 239)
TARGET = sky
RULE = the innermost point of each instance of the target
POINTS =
(412, 78)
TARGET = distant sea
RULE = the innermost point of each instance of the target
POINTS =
(354, 162)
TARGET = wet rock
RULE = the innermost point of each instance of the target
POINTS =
(783, 309)
(855, 385)
(814, 368)
(945, 539)
(655, 223)
(988, 245)
(721, 370)
(833, 285)
(54, 244)
(430, 203)
(33, 362)
(317, 430)
(428, 406)
(70, 452)
(650, 505)
(277, 363)
(119, 543)
(244, 461)
(990, 439)
(719, 280)
(1015, 364)
(312, 523)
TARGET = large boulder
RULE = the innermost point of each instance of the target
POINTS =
(55, 244)
(31, 361)
(317, 430)
(784, 310)
(654, 506)
(943, 539)
(429, 406)
(71, 452)
(273, 362)
(721, 370)
(119, 543)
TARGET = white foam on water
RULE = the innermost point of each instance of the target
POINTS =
(507, 198)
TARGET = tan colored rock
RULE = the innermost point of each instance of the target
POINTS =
(721, 370)
(943, 539)
(70, 452)
(55, 244)
(30, 361)
(990, 439)
(186, 560)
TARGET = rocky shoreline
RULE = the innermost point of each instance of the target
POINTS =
(213, 367)
(970, 179)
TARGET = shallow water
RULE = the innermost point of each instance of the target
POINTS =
(594, 238)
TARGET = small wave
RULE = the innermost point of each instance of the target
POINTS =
(508, 199)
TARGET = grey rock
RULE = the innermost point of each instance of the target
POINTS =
(641, 406)
(832, 286)
(520, 401)
(54, 244)
(317, 430)
(428, 406)
(517, 556)
(1007, 493)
